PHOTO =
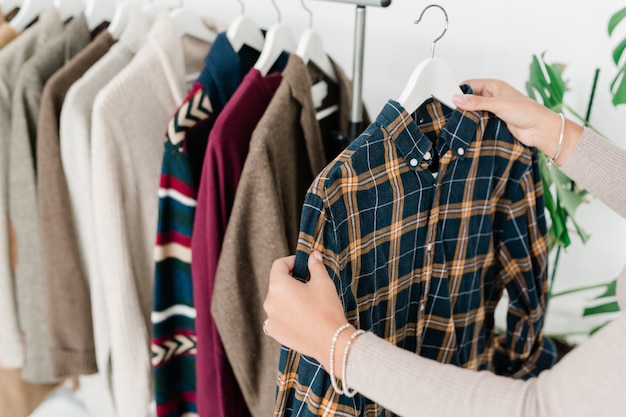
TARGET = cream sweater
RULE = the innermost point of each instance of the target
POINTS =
(129, 122)
(75, 135)
(590, 381)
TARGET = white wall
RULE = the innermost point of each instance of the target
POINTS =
(486, 38)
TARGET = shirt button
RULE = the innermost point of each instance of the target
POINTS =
(427, 155)
(414, 162)
(461, 151)
(421, 120)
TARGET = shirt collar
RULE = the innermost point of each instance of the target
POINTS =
(457, 134)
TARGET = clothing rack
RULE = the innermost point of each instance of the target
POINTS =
(355, 126)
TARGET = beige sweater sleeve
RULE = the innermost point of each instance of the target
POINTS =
(589, 381)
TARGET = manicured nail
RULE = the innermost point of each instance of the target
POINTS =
(317, 255)
(460, 98)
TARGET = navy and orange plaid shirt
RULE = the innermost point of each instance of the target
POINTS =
(422, 259)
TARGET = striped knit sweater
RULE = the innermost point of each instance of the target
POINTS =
(178, 370)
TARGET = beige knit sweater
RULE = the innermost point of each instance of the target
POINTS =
(129, 121)
(75, 137)
(590, 381)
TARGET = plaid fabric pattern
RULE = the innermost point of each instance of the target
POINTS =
(422, 260)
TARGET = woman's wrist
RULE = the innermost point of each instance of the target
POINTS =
(552, 145)
(571, 136)
(339, 351)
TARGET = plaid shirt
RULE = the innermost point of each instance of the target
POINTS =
(421, 259)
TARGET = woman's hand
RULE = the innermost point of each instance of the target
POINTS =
(304, 316)
(530, 122)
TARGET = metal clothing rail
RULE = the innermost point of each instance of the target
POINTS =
(356, 112)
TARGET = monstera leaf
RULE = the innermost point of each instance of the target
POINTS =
(561, 195)
(548, 90)
(608, 306)
(618, 86)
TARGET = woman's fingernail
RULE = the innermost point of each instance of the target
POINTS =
(317, 255)
(460, 98)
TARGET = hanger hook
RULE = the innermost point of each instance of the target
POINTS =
(280, 16)
(309, 11)
(432, 50)
(243, 6)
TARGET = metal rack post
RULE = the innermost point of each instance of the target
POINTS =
(356, 112)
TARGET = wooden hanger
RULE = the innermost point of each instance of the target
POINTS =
(243, 31)
(29, 11)
(431, 78)
(279, 39)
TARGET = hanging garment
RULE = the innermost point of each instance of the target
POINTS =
(12, 59)
(287, 150)
(70, 327)
(422, 260)
(75, 142)
(183, 337)
(129, 117)
(225, 156)
(22, 192)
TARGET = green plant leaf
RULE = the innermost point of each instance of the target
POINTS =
(570, 200)
(618, 88)
(611, 307)
(615, 19)
(584, 236)
(618, 51)
(551, 89)
(611, 290)
(579, 289)
(598, 328)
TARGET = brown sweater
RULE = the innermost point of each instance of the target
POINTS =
(70, 327)
(286, 153)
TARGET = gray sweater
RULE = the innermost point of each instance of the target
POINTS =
(29, 282)
(12, 60)
(590, 381)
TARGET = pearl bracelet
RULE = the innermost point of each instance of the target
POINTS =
(558, 147)
(344, 365)
(333, 342)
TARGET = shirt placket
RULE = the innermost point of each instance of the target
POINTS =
(430, 243)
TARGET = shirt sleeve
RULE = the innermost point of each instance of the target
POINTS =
(522, 255)
(304, 387)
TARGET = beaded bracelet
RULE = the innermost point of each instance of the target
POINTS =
(331, 371)
(558, 147)
(344, 365)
